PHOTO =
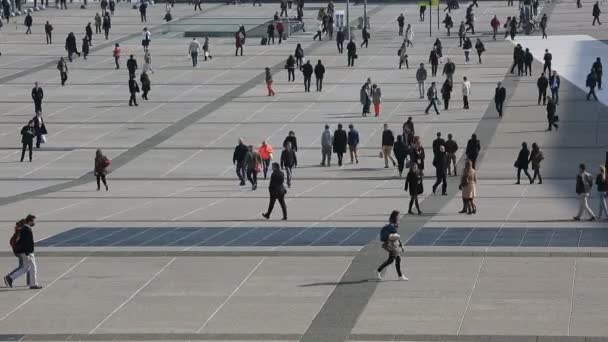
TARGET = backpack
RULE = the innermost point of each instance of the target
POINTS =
(385, 232)
(14, 240)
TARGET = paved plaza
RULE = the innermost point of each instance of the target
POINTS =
(176, 250)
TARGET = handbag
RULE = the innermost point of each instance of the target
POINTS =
(258, 167)
(356, 56)
(380, 155)
(43, 129)
(43, 138)
(555, 118)
(516, 164)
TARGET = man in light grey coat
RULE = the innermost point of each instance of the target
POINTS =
(326, 146)
(421, 77)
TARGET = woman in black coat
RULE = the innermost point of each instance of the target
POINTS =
(144, 78)
(522, 162)
(401, 151)
(417, 155)
(339, 143)
(290, 65)
(413, 183)
(70, 46)
(473, 148)
(446, 92)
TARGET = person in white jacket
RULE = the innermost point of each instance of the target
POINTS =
(466, 91)
(409, 35)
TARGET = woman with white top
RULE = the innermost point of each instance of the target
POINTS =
(146, 36)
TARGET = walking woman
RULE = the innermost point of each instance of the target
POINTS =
(400, 150)
(116, 55)
(480, 48)
(522, 161)
(299, 54)
(536, 157)
(409, 36)
(473, 148)
(277, 191)
(376, 99)
(403, 57)
(266, 151)
(602, 190)
(63, 70)
(467, 45)
(413, 183)
(468, 185)
(446, 93)
(101, 169)
(106, 24)
(391, 243)
(206, 50)
(147, 62)
(290, 65)
(269, 82)
(254, 166)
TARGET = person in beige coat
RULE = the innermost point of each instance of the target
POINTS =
(468, 185)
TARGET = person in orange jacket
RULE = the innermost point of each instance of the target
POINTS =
(266, 154)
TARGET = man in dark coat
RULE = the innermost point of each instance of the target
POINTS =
(551, 115)
(597, 69)
(27, 139)
(547, 58)
(277, 191)
(522, 162)
(142, 11)
(591, 83)
(542, 84)
(437, 143)
(528, 59)
(518, 59)
(238, 159)
(133, 89)
(500, 95)
(89, 33)
(596, 13)
(70, 46)
(48, 30)
(319, 72)
(37, 95)
(440, 161)
(339, 143)
(307, 72)
(340, 41)
(132, 66)
(351, 49)
(28, 23)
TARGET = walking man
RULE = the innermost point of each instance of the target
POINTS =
(132, 66)
(500, 94)
(24, 248)
(238, 159)
(584, 184)
(542, 84)
(596, 13)
(48, 30)
(466, 91)
(353, 142)
(193, 50)
(27, 139)
(28, 23)
(450, 148)
(307, 73)
(431, 95)
(420, 78)
(551, 117)
(351, 49)
(37, 95)
(289, 160)
(326, 145)
(554, 83)
(523, 159)
(277, 191)
(340, 41)
(339, 143)
(133, 90)
(547, 58)
(401, 23)
(591, 83)
(388, 140)
(528, 59)
(597, 69)
(392, 244)
(440, 161)
(319, 72)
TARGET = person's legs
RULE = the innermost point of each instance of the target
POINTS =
(273, 199)
(98, 179)
(377, 109)
(603, 208)
(103, 180)
(29, 146)
(528, 175)
(417, 205)
(421, 89)
(434, 103)
(283, 206)
(444, 185)
(388, 261)
(465, 100)
(288, 175)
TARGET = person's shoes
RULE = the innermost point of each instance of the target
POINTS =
(516, 183)
(541, 182)
(284, 218)
(410, 212)
(462, 211)
(434, 189)
(357, 161)
(242, 183)
(419, 212)
(444, 194)
(36, 287)
(289, 185)
(255, 187)
(474, 211)
(427, 113)
(266, 216)
(107, 188)
(8, 281)
(404, 278)
(592, 219)
(378, 276)
(394, 164)
(98, 188)
(576, 218)
(386, 166)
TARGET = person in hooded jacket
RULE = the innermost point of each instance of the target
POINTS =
(307, 73)
(319, 73)
(70, 46)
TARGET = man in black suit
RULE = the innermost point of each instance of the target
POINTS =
(500, 95)
(277, 191)
(37, 95)
(27, 138)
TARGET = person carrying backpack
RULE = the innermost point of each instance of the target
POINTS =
(392, 244)
(22, 243)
